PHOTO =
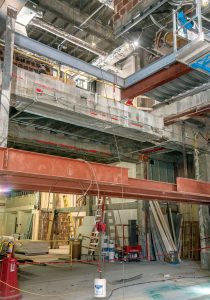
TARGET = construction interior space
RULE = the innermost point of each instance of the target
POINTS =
(105, 149)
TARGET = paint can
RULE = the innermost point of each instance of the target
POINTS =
(99, 288)
(105, 253)
(105, 241)
(111, 245)
(111, 256)
(111, 251)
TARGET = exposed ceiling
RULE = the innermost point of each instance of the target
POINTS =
(118, 146)
(73, 17)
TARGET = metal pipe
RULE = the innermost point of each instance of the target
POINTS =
(93, 14)
(66, 36)
(174, 31)
(206, 19)
(162, 27)
(5, 97)
(184, 151)
(199, 15)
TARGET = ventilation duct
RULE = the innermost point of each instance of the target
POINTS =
(115, 56)
(37, 22)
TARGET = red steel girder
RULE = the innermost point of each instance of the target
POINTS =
(187, 114)
(163, 76)
(186, 185)
(14, 161)
(23, 170)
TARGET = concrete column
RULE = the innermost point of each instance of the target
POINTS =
(7, 75)
(184, 151)
(141, 173)
(202, 172)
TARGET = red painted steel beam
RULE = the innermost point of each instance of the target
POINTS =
(131, 191)
(14, 161)
(163, 76)
(187, 114)
(186, 185)
(23, 170)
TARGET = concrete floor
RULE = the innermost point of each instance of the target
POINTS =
(60, 282)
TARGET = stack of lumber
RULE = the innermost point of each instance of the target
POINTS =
(30, 247)
(164, 238)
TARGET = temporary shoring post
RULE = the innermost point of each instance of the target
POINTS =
(184, 151)
(199, 16)
(7, 75)
(196, 159)
(174, 31)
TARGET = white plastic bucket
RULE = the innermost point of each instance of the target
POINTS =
(111, 245)
(100, 288)
(111, 256)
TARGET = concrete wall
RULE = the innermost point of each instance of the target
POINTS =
(108, 91)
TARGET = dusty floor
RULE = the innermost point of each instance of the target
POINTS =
(143, 280)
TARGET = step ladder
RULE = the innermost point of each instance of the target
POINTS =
(110, 221)
(95, 234)
(72, 226)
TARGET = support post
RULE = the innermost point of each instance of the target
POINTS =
(199, 16)
(184, 151)
(89, 205)
(174, 31)
(7, 75)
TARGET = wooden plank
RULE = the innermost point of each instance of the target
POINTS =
(159, 253)
(161, 249)
(172, 226)
(164, 238)
(165, 227)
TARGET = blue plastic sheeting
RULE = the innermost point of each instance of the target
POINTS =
(202, 63)
(184, 21)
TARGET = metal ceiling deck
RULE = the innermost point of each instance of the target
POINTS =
(178, 86)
